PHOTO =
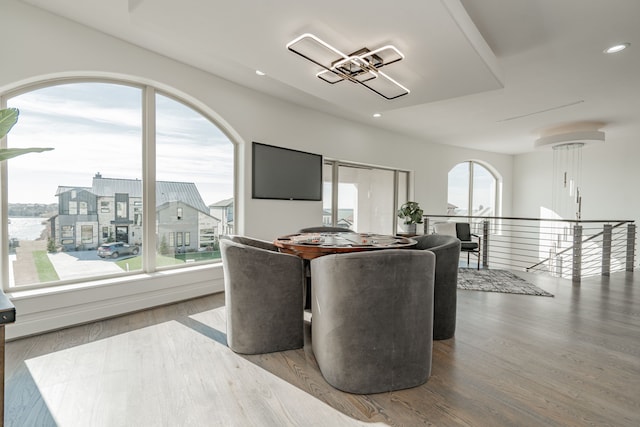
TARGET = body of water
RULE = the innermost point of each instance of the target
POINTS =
(26, 228)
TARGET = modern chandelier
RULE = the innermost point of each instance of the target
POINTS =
(567, 143)
(360, 67)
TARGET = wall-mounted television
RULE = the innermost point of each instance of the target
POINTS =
(285, 174)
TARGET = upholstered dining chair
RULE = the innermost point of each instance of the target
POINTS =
(316, 229)
(373, 319)
(250, 241)
(447, 251)
(462, 230)
(263, 296)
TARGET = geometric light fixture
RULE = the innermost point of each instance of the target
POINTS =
(361, 67)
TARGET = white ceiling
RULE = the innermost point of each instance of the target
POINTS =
(483, 74)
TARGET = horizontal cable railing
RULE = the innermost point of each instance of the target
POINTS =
(563, 248)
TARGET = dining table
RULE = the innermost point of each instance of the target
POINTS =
(312, 245)
(316, 244)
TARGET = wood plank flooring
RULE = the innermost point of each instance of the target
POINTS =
(516, 360)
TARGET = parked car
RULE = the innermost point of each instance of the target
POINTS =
(116, 249)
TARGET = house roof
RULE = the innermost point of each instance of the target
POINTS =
(107, 187)
(168, 205)
(166, 191)
(222, 203)
(64, 188)
(187, 192)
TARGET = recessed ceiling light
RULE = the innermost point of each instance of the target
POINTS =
(617, 48)
(376, 115)
(261, 73)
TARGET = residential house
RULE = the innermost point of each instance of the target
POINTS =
(224, 211)
(344, 218)
(111, 210)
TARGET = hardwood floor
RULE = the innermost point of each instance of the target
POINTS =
(570, 360)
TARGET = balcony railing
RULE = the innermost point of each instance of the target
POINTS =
(563, 248)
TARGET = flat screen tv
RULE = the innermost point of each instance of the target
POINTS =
(285, 174)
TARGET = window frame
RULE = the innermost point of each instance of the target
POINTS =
(335, 180)
(470, 186)
(84, 230)
(148, 215)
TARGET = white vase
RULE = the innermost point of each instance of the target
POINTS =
(409, 228)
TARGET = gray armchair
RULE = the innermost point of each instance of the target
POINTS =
(447, 251)
(250, 241)
(372, 319)
(317, 229)
(263, 296)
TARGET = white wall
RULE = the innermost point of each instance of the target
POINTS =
(46, 46)
(610, 177)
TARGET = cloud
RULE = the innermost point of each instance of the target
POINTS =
(97, 127)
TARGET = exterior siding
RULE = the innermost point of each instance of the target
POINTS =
(96, 207)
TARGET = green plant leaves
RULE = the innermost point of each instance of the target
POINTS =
(411, 213)
(7, 153)
(8, 118)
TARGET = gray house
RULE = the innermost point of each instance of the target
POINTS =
(223, 210)
(111, 210)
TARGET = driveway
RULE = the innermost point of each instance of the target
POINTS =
(82, 264)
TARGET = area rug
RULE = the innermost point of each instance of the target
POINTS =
(497, 281)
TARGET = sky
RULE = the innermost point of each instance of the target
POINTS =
(483, 186)
(347, 196)
(97, 127)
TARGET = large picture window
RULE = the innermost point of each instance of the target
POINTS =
(194, 160)
(93, 180)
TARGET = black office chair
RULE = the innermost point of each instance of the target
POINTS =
(467, 244)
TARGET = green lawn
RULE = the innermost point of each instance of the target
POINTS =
(199, 256)
(46, 272)
(135, 263)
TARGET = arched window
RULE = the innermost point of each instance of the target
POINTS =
(132, 184)
(472, 185)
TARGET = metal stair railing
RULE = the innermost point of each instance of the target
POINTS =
(563, 248)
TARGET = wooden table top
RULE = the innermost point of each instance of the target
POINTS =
(313, 245)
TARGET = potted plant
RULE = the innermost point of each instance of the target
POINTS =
(8, 118)
(411, 214)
